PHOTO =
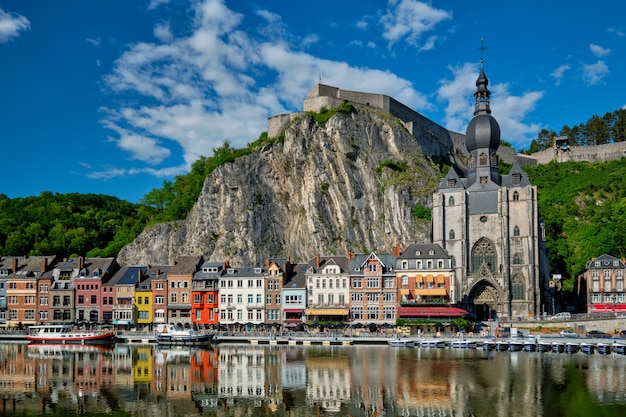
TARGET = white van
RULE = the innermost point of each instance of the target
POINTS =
(561, 316)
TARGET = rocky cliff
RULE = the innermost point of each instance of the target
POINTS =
(348, 185)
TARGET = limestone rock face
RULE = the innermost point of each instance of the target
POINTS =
(349, 185)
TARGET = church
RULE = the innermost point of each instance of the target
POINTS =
(489, 224)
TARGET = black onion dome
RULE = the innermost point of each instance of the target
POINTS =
(482, 132)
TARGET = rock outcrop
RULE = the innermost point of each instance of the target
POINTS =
(349, 185)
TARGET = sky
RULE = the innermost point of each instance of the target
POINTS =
(116, 96)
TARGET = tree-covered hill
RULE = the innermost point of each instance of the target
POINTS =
(583, 206)
(69, 224)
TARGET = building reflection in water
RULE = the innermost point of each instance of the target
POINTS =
(300, 381)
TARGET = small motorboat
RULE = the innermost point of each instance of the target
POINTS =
(169, 334)
(558, 347)
(516, 345)
(489, 345)
(604, 348)
(400, 342)
(572, 347)
(587, 348)
(530, 346)
(544, 347)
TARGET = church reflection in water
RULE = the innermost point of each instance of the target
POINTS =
(301, 381)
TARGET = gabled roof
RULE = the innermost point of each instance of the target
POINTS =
(186, 265)
(341, 261)
(516, 177)
(359, 262)
(26, 266)
(606, 262)
(128, 275)
(245, 272)
(297, 278)
(451, 177)
(424, 251)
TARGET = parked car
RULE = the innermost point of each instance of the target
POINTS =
(561, 316)
(569, 333)
(597, 334)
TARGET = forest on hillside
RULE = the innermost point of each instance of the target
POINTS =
(583, 206)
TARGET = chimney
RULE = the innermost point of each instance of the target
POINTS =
(139, 275)
(226, 265)
(267, 263)
(395, 251)
(14, 265)
(44, 264)
(81, 262)
(317, 261)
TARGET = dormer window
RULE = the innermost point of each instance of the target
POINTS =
(517, 178)
(83, 273)
(96, 273)
(230, 270)
(257, 270)
(431, 252)
(4, 272)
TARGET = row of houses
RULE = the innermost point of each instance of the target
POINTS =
(358, 289)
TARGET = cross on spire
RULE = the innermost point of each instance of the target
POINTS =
(482, 50)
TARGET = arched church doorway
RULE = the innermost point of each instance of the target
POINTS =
(485, 303)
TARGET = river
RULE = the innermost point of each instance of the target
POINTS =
(248, 380)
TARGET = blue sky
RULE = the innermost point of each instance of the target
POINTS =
(116, 96)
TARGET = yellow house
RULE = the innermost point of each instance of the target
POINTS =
(143, 304)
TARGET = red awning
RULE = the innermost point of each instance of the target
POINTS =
(438, 311)
(607, 306)
(293, 310)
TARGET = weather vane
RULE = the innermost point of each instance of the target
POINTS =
(482, 50)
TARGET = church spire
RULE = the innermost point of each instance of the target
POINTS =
(481, 96)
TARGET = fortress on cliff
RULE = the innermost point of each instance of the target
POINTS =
(435, 140)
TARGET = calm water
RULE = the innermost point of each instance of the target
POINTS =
(243, 380)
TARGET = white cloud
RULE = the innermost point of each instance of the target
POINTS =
(410, 20)
(162, 32)
(509, 110)
(594, 73)
(558, 73)
(94, 41)
(11, 25)
(156, 3)
(205, 90)
(599, 51)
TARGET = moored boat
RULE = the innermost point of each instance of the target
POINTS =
(502, 345)
(587, 348)
(400, 342)
(168, 334)
(66, 333)
(558, 347)
(543, 347)
(572, 347)
(489, 345)
(619, 348)
(432, 343)
(603, 348)
(530, 346)
(516, 345)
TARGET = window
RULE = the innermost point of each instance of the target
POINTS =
(373, 267)
(357, 313)
(482, 159)
(373, 283)
(342, 300)
(357, 296)
(268, 299)
(81, 299)
(517, 259)
(517, 178)
(405, 264)
(388, 282)
(405, 281)
(259, 298)
(451, 182)
(173, 298)
(159, 299)
(517, 288)
(277, 298)
(389, 313)
(515, 196)
(356, 283)
(43, 288)
(451, 201)
(483, 253)
(197, 298)
(43, 301)
(94, 299)
(516, 231)
(250, 298)
(372, 313)
(451, 235)
(139, 301)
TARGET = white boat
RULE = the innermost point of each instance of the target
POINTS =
(433, 343)
(399, 342)
(464, 344)
(67, 333)
(169, 334)
(516, 345)
(603, 348)
(587, 348)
